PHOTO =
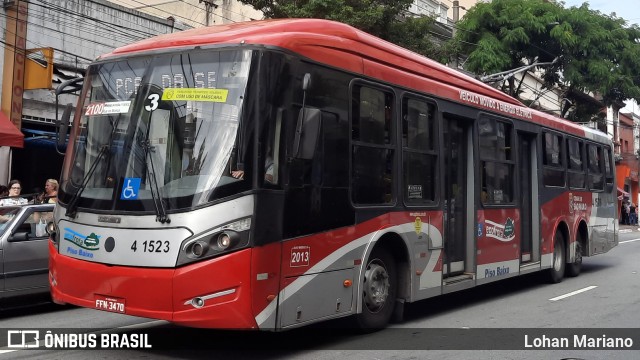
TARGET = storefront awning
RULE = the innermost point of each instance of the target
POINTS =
(9, 134)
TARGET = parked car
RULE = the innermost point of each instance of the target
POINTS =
(24, 260)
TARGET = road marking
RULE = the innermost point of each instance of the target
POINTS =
(628, 241)
(624, 231)
(572, 293)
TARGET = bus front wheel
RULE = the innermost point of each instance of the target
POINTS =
(556, 273)
(379, 289)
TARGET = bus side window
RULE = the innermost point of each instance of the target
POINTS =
(576, 164)
(420, 160)
(595, 165)
(497, 161)
(608, 168)
(372, 151)
(552, 158)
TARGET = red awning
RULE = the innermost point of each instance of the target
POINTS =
(9, 134)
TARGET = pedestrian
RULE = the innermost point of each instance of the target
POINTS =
(14, 192)
(50, 194)
(627, 212)
(633, 215)
(4, 191)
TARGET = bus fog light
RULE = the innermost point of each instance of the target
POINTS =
(197, 302)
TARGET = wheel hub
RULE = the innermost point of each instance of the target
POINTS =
(578, 259)
(376, 286)
(557, 259)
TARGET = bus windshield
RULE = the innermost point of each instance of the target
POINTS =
(164, 127)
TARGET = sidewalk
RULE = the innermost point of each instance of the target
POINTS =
(629, 228)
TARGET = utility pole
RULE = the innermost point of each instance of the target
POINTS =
(456, 17)
(14, 60)
(208, 4)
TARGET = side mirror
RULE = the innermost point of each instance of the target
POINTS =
(66, 87)
(307, 131)
(63, 126)
(19, 236)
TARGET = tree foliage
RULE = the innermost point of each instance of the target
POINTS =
(594, 53)
(382, 18)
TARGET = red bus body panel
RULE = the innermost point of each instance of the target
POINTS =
(161, 293)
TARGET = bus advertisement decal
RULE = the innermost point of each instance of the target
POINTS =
(504, 233)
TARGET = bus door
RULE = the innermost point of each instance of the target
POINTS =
(528, 205)
(458, 197)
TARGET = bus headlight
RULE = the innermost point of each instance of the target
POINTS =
(199, 248)
(221, 240)
(227, 239)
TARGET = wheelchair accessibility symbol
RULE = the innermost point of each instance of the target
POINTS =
(130, 189)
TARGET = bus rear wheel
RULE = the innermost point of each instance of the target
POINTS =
(379, 289)
(574, 268)
(556, 273)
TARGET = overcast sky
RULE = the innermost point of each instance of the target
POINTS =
(626, 9)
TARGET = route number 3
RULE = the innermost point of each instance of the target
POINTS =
(153, 102)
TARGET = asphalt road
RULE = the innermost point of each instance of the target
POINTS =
(488, 322)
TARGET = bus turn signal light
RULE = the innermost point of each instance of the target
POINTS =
(346, 283)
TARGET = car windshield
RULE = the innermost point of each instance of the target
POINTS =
(163, 126)
(7, 214)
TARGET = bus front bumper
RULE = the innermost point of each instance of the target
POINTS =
(212, 293)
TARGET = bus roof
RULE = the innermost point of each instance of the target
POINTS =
(343, 46)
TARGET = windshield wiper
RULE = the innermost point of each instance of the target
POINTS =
(73, 203)
(161, 213)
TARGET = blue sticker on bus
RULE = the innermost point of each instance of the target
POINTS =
(130, 189)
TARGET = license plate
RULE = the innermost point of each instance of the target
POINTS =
(109, 303)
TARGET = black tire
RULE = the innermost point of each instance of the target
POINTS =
(556, 273)
(379, 289)
(573, 269)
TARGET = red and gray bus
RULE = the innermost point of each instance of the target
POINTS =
(272, 174)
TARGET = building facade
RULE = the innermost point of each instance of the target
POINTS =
(77, 31)
(627, 159)
(195, 13)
